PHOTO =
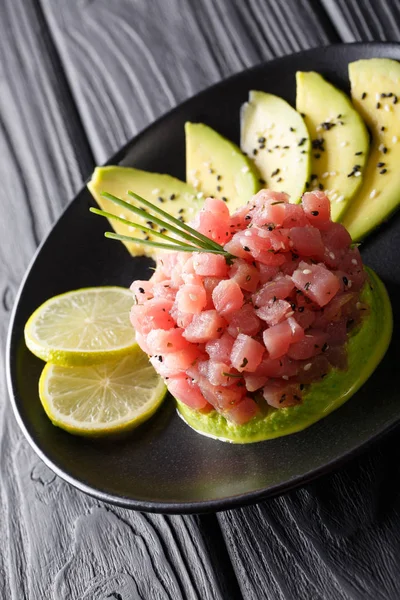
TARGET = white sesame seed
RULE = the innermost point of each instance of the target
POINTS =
(121, 216)
(333, 196)
(130, 228)
(199, 195)
(350, 283)
(387, 107)
(381, 147)
(291, 244)
(155, 191)
(372, 194)
(298, 159)
(245, 169)
(333, 173)
(307, 271)
(262, 233)
(284, 169)
(325, 175)
(248, 233)
(285, 377)
(307, 367)
(344, 143)
(332, 256)
(207, 164)
(290, 314)
(193, 297)
(196, 183)
(377, 96)
(394, 139)
(353, 261)
(283, 245)
(357, 174)
(340, 198)
(319, 128)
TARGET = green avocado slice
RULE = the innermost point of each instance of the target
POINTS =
(216, 167)
(339, 139)
(375, 91)
(172, 195)
(275, 137)
(366, 348)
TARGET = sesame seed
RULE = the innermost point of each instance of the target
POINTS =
(353, 261)
(261, 140)
(340, 199)
(224, 199)
(357, 174)
(377, 96)
(219, 188)
(358, 153)
(380, 164)
(382, 171)
(315, 213)
(255, 152)
(378, 105)
(160, 199)
(200, 195)
(333, 173)
(245, 169)
(394, 139)
(290, 314)
(349, 284)
(387, 107)
(279, 179)
(381, 147)
(285, 377)
(363, 95)
(248, 233)
(219, 177)
(325, 175)
(372, 194)
(211, 171)
(307, 271)
(193, 297)
(307, 367)
(155, 191)
(395, 100)
(343, 144)
(332, 256)
(317, 155)
(275, 172)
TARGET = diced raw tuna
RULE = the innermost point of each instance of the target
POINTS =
(271, 212)
(274, 311)
(161, 341)
(278, 338)
(182, 388)
(305, 317)
(243, 412)
(267, 273)
(221, 397)
(205, 326)
(210, 265)
(317, 208)
(307, 241)
(336, 237)
(246, 353)
(294, 216)
(218, 373)
(311, 345)
(191, 298)
(336, 332)
(152, 315)
(245, 274)
(316, 282)
(313, 369)
(277, 367)
(220, 349)
(244, 320)
(213, 220)
(281, 394)
(279, 288)
(142, 291)
(337, 357)
(164, 289)
(227, 297)
(254, 382)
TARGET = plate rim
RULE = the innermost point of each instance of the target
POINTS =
(172, 507)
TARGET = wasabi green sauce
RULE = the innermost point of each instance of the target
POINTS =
(366, 347)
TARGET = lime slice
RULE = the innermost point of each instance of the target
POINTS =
(101, 399)
(82, 327)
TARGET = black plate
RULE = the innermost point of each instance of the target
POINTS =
(164, 466)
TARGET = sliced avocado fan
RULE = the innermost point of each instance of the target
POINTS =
(216, 167)
(274, 135)
(339, 139)
(172, 195)
(375, 91)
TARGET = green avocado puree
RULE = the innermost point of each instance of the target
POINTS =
(366, 348)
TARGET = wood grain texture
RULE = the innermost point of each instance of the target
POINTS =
(129, 61)
(365, 20)
(57, 542)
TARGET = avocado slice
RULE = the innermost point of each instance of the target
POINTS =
(172, 195)
(375, 91)
(366, 348)
(216, 167)
(274, 135)
(339, 139)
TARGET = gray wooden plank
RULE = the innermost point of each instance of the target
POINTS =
(365, 20)
(128, 62)
(57, 542)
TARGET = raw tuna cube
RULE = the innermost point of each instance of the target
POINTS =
(182, 388)
(191, 298)
(307, 241)
(210, 265)
(164, 289)
(278, 338)
(269, 213)
(278, 367)
(165, 263)
(206, 326)
(216, 373)
(176, 362)
(210, 283)
(294, 216)
(280, 394)
(240, 219)
(279, 288)
(220, 349)
(316, 282)
(213, 220)
(305, 317)
(317, 207)
(161, 341)
(245, 321)
(223, 398)
(243, 412)
(337, 357)
(142, 291)
(312, 369)
(336, 237)
(245, 274)
(274, 311)
(246, 353)
(336, 332)
(266, 272)
(152, 315)
(311, 345)
(254, 382)
(227, 297)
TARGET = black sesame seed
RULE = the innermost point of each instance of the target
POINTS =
(293, 306)
(320, 186)
(255, 152)
(163, 230)
(141, 290)
(302, 115)
(382, 128)
(172, 197)
(383, 171)
(313, 176)
(358, 153)
(219, 188)
(147, 237)
(324, 347)
(301, 309)
(246, 248)
(279, 179)
(181, 211)
(317, 156)
(261, 146)
(339, 116)
(224, 198)
(395, 100)
(384, 149)
(383, 95)
(345, 280)
(301, 387)
(181, 219)
(307, 185)
(219, 177)
(380, 164)
(261, 140)
(363, 95)
(378, 105)
(160, 199)
(303, 152)
(302, 141)
(247, 217)
(275, 172)
(315, 213)
(292, 129)
(307, 285)
(389, 95)
(262, 181)
(150, 224)
(286, 147)
(160, 358)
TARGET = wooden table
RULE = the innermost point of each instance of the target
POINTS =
(78, 78)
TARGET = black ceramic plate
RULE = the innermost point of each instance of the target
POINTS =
(164, 466)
